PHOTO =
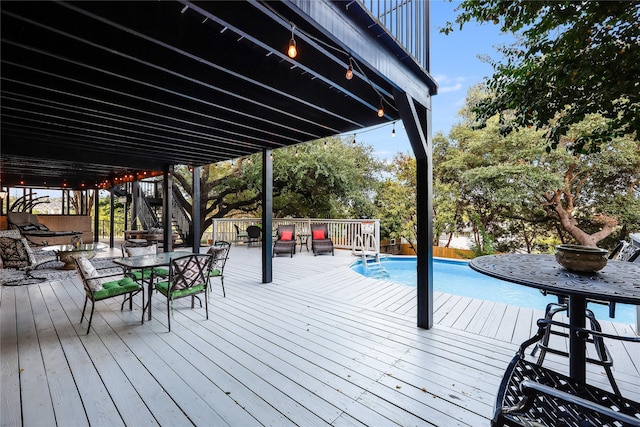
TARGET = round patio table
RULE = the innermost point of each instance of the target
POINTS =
(618, 281)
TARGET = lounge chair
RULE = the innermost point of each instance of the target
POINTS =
(31, 228)
(320, 241)
(285, 240)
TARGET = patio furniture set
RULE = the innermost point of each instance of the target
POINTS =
(286, 239)
(534, 394)
(174, 275)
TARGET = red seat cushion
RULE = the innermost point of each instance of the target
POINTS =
(286, 235)
(318, 234)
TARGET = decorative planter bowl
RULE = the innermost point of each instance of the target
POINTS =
(587, 259)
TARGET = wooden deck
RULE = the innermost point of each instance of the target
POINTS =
(321, 345)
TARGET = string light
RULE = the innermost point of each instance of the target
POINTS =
(349, 74)
(325, 144)
(297, 152)
(393, 131)
(354, 139)
(381, 109)
(292, 51)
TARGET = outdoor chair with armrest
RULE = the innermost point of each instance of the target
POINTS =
(533, 395)
(140, 276)
(285, 240)
(320, 241)
(97, 288)
(219, 254)
(15, 252)
(187, 278)
(253, 235)
(241, 236)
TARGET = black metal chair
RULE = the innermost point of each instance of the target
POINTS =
(254, 234)
(96, 289)
(219, 254)
(187, 278)
(320, 241)
(532, 395)
(241, 236)
(285, 240)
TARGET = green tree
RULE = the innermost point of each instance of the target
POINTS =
(329, 178)
(396, 200)
(571, 59)
(514, 187)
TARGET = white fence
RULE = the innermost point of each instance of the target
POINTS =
(342, 232)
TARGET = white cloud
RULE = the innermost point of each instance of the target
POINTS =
(454, 88)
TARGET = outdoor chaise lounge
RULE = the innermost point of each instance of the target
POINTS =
(31, 228)
(320, 241)
(285, 240)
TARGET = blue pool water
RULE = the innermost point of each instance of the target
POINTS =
(456, 277)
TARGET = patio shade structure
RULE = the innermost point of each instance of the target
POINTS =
(94, 91)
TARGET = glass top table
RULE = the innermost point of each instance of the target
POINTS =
(67, 252)
(143, 262)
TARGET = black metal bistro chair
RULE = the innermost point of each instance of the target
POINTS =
(219, 254)
(533, 395)
(96, 288)
(253, 235)
(187, 278)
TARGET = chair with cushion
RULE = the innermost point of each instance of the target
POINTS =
(15, 252)
(187, 278)
(533, 395)
(140, 276)
(285, 240)
(320, 241)
(98, 288)
(253, 235)
(241, 236)
(219, 253)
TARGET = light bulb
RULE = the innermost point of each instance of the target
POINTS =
(325, 145)
(349, 74)
(393, 131)
(380, 111)
(292, 52)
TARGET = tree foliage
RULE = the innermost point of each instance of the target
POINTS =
(519, 192)
(572, 59)
(324, 179)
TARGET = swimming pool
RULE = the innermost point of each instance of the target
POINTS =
(456, 277)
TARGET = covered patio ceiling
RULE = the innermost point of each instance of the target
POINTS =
(97, 90)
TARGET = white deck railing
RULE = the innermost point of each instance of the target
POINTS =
(342, 232)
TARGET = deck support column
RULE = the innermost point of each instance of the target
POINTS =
(267, 215)
(167, 202)
(417, 122)
(195, 210)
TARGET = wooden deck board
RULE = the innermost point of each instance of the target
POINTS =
(321, 345)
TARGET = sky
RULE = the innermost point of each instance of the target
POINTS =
(456, 67)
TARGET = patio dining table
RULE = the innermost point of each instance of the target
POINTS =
(144, 262)
(618, 281)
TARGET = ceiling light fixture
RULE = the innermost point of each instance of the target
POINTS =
(349, 74)
(381, 109)
(292, 51)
